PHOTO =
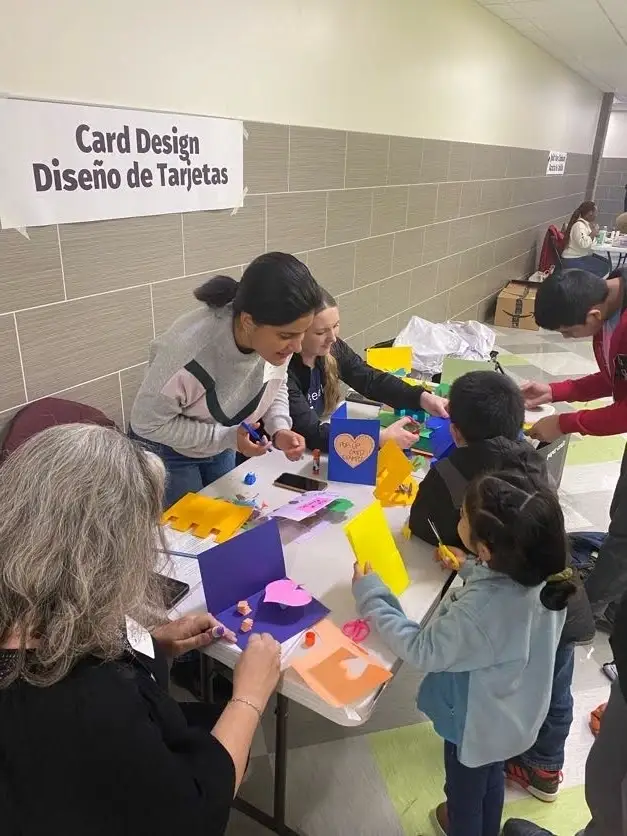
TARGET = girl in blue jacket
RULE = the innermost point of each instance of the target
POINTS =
(490, 649)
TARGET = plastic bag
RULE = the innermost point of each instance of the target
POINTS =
(431, 342)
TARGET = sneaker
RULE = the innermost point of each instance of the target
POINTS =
(540, 783)
(439, 819)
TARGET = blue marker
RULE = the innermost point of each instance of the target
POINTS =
(252, 432)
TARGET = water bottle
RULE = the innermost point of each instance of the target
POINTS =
(601, 237)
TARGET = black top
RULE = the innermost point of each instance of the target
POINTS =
(440, 499)
(106, 752)
(356, 373)
(435, 499)
(619, 644)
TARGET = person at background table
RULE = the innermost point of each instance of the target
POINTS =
(78, 698)
(225, 363)
(606, 767)
(487, 413)
(489, 650)
(323, 362)
(579, 236)
(579, 304)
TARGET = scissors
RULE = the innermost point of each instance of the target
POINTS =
(445, 553)
(357, 630)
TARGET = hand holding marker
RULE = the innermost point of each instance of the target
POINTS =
(256, 436)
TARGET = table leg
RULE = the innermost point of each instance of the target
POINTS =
(276, 822)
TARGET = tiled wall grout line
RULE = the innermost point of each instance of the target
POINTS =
(19, 351)
(122, 400)
(183, 243)
(61, 260)
(152, 313)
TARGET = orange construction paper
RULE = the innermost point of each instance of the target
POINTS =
(323, 667)
(393, 469)
(204, 515)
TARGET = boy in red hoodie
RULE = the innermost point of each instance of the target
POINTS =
(579, 304)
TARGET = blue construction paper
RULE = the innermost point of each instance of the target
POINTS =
(281, 623)
(240, 569)
(241, 566)
(441, 441)
(339, 470)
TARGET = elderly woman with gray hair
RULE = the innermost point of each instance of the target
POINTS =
(90, 741)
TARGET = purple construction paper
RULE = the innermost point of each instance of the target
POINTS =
(241, 567)
(281, 623)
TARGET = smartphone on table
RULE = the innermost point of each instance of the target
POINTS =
(300, 484)
(173, 589)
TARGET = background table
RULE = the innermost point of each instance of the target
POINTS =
(608, 250)
(323, 563)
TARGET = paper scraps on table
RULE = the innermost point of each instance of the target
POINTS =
(357, 630)
(372, 543)
(241, 569)
(340, 506)
(306, 505)
(336, 669)
(204, 515)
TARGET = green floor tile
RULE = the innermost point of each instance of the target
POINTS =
(513, 360)
(410, 762)
(590, 449)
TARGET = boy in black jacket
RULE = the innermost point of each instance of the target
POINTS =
(487, 413)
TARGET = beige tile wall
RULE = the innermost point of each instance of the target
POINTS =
(610, 193)
(392, 226)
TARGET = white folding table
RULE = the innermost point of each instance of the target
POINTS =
(323, 563)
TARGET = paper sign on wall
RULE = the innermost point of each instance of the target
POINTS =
(65, 163)
(353, 446)
(556, 163)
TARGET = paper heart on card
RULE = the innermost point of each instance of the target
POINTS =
(287, 593)
(354, 450)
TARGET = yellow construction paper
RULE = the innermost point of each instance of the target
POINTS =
(393, 470)
(204, 515)
(371, 540)
(390, 359)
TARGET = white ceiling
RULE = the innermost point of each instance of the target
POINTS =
(590, 36)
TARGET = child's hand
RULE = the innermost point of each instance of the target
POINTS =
(446, 562)
(358, 572)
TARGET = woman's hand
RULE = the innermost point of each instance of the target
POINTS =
(189, 633)
(434, 404)
(535, 393)
(257, 672)
(291, 443)
(398, 433)
(249, 448)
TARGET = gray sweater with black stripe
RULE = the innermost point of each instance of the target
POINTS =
(199, 387)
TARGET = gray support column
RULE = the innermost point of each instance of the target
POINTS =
(599, 144)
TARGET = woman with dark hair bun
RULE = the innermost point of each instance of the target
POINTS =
(223, 364)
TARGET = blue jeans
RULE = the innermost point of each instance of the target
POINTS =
(185, 474)
(548, 751)
(474, 796)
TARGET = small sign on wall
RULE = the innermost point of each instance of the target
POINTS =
(64, 163)
(556, 163)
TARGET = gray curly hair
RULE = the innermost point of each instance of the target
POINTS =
(79, 517)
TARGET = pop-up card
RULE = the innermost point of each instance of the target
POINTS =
(454, 367)
(337, 669)
(204, 515)
(247, 590)
(396, 360)
(372, 542)
(353, 446)
(395, 485)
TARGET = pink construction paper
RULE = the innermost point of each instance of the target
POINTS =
(305, 506)
(287, 593)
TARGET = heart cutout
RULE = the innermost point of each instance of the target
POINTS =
(354, 667)
(354, 450)
(286, 593)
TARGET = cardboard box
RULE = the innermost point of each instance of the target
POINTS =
(514, 307)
